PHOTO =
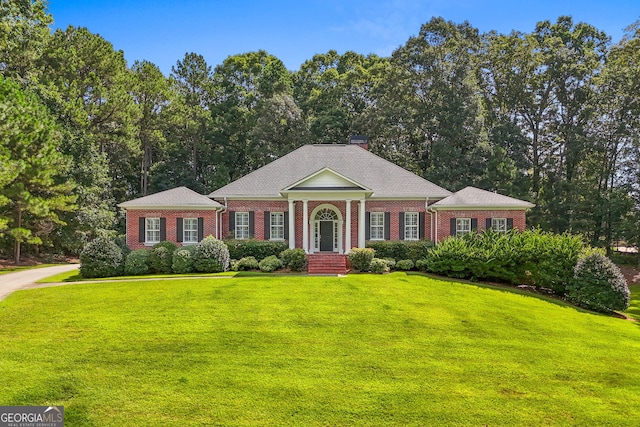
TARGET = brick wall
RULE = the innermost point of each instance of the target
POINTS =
(444, 218)
(209, 219)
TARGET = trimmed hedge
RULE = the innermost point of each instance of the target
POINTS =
(379, 266)
(270, 263)
(598, 284)
(182, 262)
(247, 263)
(405, 265)
(399, 250)
(101, 257)
(293, 259)
(259, 249)
(161, 257)
(211, 256)
(360, 258)
(137, 263)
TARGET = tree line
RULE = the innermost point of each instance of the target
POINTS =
(550, 116)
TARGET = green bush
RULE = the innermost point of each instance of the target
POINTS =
(422, 265)
(211, 256)
(598, 285)
(247, 263)
(399, 250)
(101, 258)
(360, 258)
(379, 266)
(293, 259)
(182, 262)
(405, 265)
(391, 263)
(137, 263)
(259, 249)
(270, 263)
(161, 257)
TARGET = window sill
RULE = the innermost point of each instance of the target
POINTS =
(189, 243)
(277, 240)
(377, 240)
(150, 243)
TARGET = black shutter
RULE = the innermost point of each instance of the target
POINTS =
(452, 227)
(286, 225)
(179, 229)
(488, 224)
(421, 225)
(200, 228)
(509, 223)
(367, 225)
(232, 222)
(141, 230)
(267, 225)
(163, 229)
(474, 224)
(387, 226)
(252, 224)
(401, 226)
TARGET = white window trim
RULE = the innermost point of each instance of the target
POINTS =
(493, 224)
(272, 227)
(184, 231)
(148, 230)
(408, 226)
(379, 226)
(243, 227)
(465, 230)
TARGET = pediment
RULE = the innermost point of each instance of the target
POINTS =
(326, 179)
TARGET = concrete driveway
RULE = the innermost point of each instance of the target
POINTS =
(11, 282)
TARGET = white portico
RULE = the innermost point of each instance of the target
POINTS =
(326, 227)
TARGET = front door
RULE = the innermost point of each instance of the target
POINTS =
(326, 236)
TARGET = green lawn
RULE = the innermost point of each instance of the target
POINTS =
(74, 276)
(362, 350)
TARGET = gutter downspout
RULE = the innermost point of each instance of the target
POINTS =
(223, 210)
(426, 208)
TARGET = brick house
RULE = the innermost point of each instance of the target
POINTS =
(324, 199)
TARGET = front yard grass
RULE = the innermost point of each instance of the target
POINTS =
(289, 350)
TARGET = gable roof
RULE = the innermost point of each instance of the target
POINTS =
(325, 178)
(385, 179)
(471, 197)
(176, 198)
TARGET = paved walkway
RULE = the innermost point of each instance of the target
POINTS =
(12, 282)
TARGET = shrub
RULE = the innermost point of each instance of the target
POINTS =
(391, 263)
(137, 263)
(247, 263)
(422, 265)
(379, 266)
(259, 249)
(101, 258)
(182, 262)
(270, 263)
(293, 259)
(598, 285)
(405, 265)
(211, 256)
(360, 258)
(399, 250)
(161, 257)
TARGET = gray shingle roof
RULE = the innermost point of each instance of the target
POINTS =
(386, 179)
(475, 197)
(180, 197)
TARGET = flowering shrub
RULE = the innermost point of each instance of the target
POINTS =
(379, 266)
(598, 285)
(247, 263)
(137, 263)
(360, 258)
(182, 262)
(161, 257)
(270, 263)
(211, 256)
(101, 258)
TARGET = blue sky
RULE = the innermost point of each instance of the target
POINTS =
(162, 31)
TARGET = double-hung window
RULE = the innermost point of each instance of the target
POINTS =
(411, 226)
(463, 226)
(376, 231)
(499, 224)
(152, 230)
(190, 230)
(242, 225)
(277, 226)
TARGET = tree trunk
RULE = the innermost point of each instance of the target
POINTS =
(18, 239)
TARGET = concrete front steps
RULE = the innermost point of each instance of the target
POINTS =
(327, 263)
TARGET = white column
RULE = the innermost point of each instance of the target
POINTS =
(361, 225)
(305, 225)
(292, 225)
(347, 228)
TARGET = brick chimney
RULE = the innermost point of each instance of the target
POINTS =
(360, 140)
